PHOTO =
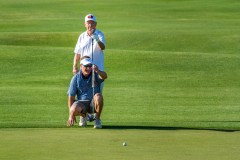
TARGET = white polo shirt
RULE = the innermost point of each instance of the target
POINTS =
(84, 48)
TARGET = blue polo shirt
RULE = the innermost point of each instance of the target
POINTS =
(82, 86)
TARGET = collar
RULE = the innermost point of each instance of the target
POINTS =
(86, 77)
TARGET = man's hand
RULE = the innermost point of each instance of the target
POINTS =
(94, 36)
(95, 68)
(101, 74)
(71, 120)
(75, 70)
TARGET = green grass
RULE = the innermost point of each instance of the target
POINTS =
(53, 144)
(172, 66)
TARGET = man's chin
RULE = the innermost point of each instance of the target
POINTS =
(86, 74)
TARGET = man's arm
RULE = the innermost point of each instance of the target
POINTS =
(70, 101)
(101, 74)
(71, 118)
(101, 45)
(75, 63)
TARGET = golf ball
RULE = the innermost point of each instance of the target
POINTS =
(124, 144)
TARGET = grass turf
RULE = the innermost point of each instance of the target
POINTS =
(148, 144)
(172, 65)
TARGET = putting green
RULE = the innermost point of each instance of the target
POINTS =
(88, 143)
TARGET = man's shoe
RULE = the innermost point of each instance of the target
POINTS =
(97, 124)
(83, 121)
(91, 117)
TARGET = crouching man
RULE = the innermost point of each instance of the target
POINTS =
(82, 86)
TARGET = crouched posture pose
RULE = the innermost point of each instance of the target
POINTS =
(81, 86)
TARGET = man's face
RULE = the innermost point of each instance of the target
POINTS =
(86, 69)
(90, 25)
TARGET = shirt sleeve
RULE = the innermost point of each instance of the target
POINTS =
(99, 81)
(101, 37)
(72, 90)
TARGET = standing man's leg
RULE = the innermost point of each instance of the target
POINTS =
(101, 87)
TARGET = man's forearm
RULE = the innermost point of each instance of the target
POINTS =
(76, 60)
(70, 101)
(102, 74)
(101, 45)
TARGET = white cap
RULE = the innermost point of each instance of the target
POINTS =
(90, 17)
(86, 61)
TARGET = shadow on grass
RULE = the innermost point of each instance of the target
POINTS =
(165, 128)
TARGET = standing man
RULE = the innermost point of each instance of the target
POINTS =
(81, 86)
(90, 43)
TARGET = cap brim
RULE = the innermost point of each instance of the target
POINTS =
(86, 61)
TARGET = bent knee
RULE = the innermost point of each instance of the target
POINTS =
(78, 108)
(98, 97)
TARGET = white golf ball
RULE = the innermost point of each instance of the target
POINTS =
(124, 144)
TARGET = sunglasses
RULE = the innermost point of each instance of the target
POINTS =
(88, 65)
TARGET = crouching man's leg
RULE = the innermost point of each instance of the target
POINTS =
(98, 104)
(77, 109)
